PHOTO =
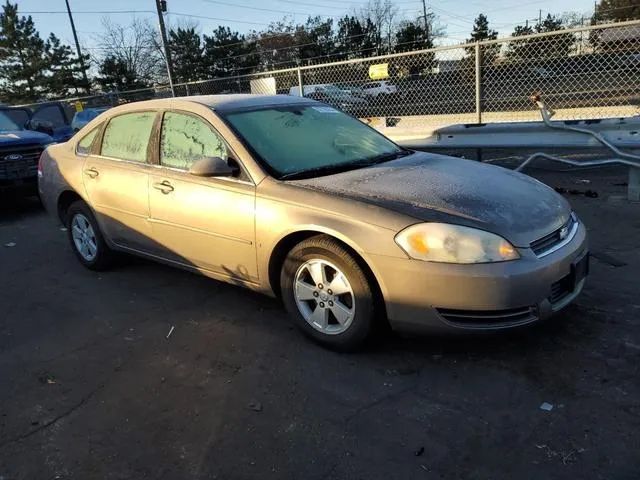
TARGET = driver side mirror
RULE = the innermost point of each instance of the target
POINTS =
(212, 167)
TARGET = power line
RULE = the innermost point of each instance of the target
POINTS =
(101, 12)
(217, 19)
(262, 9)
(295, 2)
(109, 12)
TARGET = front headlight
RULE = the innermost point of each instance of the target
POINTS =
(441, 242)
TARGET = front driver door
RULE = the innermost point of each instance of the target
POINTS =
(207, 223)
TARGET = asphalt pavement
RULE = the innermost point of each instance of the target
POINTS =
(150, 372)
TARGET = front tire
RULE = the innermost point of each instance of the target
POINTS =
(328, 294)
(86, 238)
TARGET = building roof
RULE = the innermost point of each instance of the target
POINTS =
(621, 34)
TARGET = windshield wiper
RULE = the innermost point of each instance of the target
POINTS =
(367, 162)
(384, 157)
(311, 172)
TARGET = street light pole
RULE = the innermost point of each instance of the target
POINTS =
(80, 59)
(161, 6)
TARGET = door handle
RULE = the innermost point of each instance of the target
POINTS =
(165, 187)
(91, 172)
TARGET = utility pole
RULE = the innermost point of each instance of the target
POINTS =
(80, 59)
(161, 6)
(540, 17)
(426, 21)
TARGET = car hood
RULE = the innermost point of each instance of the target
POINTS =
(437, 188)
(23, 137)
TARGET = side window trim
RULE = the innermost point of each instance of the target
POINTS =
(106, 123)
(231, 153)
(92, 148)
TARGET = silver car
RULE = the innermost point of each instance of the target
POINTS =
(295, 199)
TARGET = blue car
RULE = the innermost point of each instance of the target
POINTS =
(20, 151)
(52, 118)
(80, 119)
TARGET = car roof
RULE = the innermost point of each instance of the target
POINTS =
(244, 100)
(219, 103)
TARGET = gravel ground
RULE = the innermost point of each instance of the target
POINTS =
(92, 388)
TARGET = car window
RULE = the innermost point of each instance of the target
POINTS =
(7, 123)
(84, 145)
(18, 116)
(186, 139)
(127, 136)
(52, 114)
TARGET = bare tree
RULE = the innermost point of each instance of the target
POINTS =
(384, 16)
(136, 45)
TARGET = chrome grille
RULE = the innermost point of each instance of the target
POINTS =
(24, 167)
(546, 244)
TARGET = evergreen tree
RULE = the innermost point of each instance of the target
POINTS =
(519, 49)
(315, 40)
(228, 53)
(186, 53)
(481, 32)
(354, 38)
(413, 36)
(616, 11)
(23, 62)
(65, 75)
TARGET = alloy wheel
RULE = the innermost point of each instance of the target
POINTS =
(84, 237)
(324, 296)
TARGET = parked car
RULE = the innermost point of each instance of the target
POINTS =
(20, 150)
(293, 198)
(80, 119)
(328, 93)
(375, 89)
(51, 118)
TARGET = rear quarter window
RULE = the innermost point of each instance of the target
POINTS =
(84, 145)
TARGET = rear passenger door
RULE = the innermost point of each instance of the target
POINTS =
(116, 179)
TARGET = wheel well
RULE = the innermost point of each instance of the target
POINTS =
(285, 245)
(64, 202)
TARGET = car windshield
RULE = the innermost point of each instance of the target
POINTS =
(302, 141)
(6, 124)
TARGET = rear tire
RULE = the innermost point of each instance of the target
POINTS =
(86, 238)
(328, 294)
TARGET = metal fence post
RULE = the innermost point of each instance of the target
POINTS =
(186, 87)
(300, 82)
(478, 83)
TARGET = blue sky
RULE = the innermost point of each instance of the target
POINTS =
(244, 15)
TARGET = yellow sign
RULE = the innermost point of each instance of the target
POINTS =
(379, 71)
(79, 106)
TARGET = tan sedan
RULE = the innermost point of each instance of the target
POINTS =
(292, 198)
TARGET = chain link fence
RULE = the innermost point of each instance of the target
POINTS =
(583, 73)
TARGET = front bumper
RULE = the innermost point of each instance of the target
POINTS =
(448, 298)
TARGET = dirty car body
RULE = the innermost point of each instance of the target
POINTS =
(292, 198)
